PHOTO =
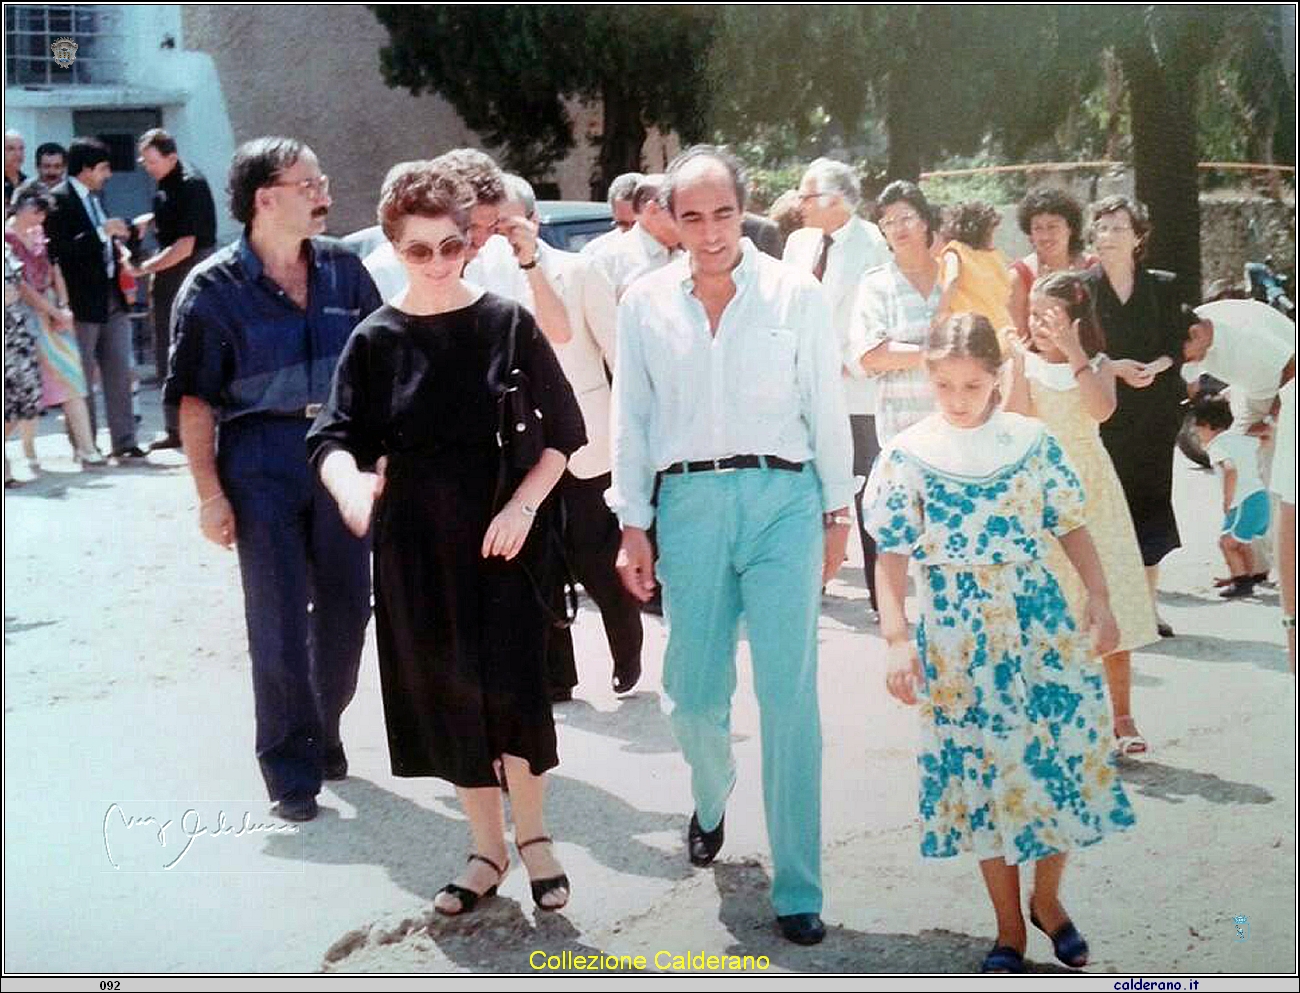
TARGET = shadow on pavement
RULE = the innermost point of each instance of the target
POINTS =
(1172, 784)
(638, 724)
(746, 912)
(1207, 648)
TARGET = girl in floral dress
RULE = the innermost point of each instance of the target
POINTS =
(1015, 762)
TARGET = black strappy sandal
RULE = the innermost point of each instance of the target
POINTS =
(467, 897)
(541, 887)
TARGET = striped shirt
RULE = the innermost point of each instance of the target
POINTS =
(889, 308)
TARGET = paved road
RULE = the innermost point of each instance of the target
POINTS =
(126, 682)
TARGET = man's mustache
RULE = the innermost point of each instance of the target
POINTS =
(320, 212)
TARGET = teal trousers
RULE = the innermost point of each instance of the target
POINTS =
(748, 542)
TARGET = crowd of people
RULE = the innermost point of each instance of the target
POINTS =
(701, 406)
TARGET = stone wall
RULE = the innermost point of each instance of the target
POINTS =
(1236, 230)
(312, 71)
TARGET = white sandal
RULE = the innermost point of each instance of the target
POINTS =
(1130, 745)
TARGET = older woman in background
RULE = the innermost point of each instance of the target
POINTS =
(1145, 328)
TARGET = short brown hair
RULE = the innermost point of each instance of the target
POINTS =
(423, 189)
(1137, 215)
(159, 140)
(478, 170)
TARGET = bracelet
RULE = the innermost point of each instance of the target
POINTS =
(1086, 367)
(530, 265)
(1288, 623)
(528, 511)
(831, 520)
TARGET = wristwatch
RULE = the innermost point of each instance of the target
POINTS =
(832, 520)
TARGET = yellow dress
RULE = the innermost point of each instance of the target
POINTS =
(983, 285)
(1106, 512)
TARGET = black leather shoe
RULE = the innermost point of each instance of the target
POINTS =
(703, 846)
(561, 694)
(165, 443)
(296, 809)
(336, 764)
(625, 678)
(134, 452)
(802, 929)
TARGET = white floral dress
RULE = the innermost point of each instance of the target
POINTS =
(1015, 753)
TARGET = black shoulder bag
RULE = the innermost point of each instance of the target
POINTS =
(521, 440)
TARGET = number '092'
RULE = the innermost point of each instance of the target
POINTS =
(110, 984)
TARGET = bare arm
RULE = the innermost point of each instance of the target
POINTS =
(509, 529)
(1099, 621)
(1015, 387)
(173, 255)
(198, 437)
(892, 356)
(904, 675)
(1018, 304)
(1097, 390)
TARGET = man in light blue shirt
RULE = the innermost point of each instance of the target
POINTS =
(730, 432)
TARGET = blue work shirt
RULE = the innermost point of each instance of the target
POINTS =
(244, 347)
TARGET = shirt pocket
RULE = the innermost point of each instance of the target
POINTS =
(769, 379)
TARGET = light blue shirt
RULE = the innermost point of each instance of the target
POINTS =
(768, 383)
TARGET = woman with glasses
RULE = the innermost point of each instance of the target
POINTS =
(895, 306)
(1140, 313)
(409, 433)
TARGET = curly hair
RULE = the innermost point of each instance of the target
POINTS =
(1046, 200)
(476, 168)
(972, 223)
(423, 189)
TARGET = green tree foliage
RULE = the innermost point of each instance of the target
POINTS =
(509, 70)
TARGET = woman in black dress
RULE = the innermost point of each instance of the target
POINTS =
(1139, 311)
(410, 433)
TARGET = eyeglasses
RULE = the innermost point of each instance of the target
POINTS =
(1105, 229)
(900, 221)
(316, 188)
(418, 253)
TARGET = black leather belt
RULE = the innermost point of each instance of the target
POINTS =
(308, 412)
(735, 462)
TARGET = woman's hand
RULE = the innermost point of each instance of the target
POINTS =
(356, 498)
(1101, 626)
(904, 675)
(509, 530)
(1135, 373)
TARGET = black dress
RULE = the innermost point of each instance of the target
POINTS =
(461, 638)
(1141, 434)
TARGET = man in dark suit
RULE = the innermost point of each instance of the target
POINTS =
(83, 240)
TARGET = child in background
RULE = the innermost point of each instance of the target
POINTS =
(973, 273)
(1015, 761)
(1245, 500)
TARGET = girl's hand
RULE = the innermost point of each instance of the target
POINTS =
(1135, 373)
(904, 674)
(1064, 334)
(509, 530)
(357, 501)
(1100, 625)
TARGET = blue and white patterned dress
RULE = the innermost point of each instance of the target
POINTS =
(1015, 756)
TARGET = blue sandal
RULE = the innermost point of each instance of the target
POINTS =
(1067, 943)
(1003, 958)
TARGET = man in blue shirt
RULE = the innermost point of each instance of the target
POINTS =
(259, 327)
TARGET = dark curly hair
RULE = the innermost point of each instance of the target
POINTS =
(1045, 200)
(972, 223)
(1212, 410)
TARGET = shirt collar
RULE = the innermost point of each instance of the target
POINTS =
(82, 190)
(175, 176)
(742, 275)
(842, 233)
(253, 265)
(653, 247)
